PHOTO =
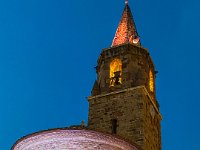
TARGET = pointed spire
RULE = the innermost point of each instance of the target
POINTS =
(126, 31)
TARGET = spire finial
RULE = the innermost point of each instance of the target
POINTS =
(126, 2)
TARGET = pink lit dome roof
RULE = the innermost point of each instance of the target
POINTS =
(72, 139)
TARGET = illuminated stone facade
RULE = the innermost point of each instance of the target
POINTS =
(131, 103)
(130, 109)
(136, 65)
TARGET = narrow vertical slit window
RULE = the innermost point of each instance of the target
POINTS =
(114, 126)
(115, 72)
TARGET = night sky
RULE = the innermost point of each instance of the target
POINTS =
(49, 48)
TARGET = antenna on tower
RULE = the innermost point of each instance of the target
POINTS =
(126, 2)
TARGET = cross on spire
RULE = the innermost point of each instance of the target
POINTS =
(126, 2)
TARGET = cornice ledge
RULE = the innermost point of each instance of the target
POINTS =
(126, 90)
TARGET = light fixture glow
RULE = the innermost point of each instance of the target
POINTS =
(115, 67)
(151, 81)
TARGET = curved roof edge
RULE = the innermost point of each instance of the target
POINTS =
(77, 129)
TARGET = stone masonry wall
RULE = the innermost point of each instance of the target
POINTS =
(136, 65)
(131, 109)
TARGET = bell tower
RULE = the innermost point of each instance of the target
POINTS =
(123, 99)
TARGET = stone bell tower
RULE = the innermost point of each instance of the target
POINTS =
(123, 100)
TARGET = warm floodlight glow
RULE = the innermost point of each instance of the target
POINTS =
(115, 72)
(60, 139)
(151, 81)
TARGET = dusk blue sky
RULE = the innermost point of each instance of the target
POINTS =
(49, 48)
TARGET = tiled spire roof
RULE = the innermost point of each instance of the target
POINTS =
(126, 31)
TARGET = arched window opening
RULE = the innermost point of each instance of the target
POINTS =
(115, 72)
(151, 81)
